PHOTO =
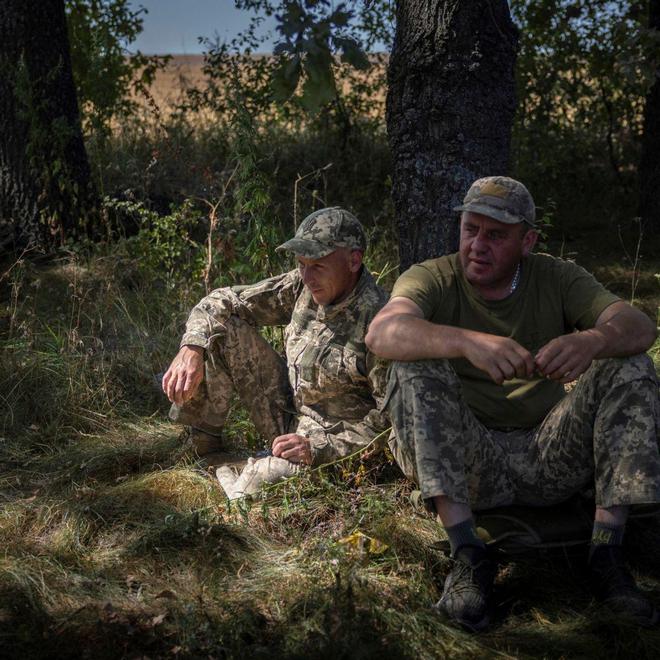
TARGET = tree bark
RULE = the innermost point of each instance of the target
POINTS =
(649, 166)
(46, 194)
(450, 108)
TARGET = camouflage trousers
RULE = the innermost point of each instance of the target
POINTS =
(242, 362)
(603, 435)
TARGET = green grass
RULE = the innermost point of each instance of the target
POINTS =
(115, 543)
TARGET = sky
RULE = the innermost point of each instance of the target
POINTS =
(173, 26)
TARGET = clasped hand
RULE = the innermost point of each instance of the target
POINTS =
(562, 359)
(293, 447)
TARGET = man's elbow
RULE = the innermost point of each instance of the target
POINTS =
(374, 338)
(371, 339)
(650, 335)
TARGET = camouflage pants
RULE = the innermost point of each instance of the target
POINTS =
(245, 363)
(603, 434)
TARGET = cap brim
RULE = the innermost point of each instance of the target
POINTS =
(497, 214)
(306, 248)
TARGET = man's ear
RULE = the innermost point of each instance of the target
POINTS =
(355, 261)
(529, 241)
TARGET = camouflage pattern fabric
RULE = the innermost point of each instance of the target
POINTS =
(603, 434)
(246, 364)
(325, 230)
(501, 198)
(328, 388)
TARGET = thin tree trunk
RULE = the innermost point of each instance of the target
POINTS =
(45, 186)
(649, 166)
(450, 108)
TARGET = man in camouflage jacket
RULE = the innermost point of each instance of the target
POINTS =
(318, 404)
(484, 341)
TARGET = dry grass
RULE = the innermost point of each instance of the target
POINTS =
(117, 544)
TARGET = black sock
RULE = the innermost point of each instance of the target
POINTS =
(604, 535)
(463, 534)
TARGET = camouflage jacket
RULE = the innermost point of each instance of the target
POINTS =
(337, 383)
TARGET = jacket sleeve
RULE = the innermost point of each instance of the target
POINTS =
(269, 302)
(344, 438)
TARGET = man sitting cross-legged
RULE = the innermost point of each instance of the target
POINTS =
(484, 341)
(317, 404)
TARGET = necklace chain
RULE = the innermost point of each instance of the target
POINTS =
(516, 280)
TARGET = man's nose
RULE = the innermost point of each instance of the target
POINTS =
(479, 242)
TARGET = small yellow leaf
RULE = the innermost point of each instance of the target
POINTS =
(359, 542)
(377, 547)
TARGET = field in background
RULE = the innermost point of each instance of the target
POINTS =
(185, 72)
(181, 73)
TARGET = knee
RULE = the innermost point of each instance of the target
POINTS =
(614, 372)
(440, 372)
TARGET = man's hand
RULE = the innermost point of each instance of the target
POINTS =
(501, 358)
(293, 447)
(567, 357)
(186, 372)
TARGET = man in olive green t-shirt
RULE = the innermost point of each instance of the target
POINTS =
(483, 342)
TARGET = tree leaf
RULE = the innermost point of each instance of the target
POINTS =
(319, 87)
(352, 53)
(281, 48)
(285, 79)
(340, 18)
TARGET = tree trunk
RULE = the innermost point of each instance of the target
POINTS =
(649, 166)
(450, 108)
(46, 195)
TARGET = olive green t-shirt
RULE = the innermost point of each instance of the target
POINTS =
(554, 297)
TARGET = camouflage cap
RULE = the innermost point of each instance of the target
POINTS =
(500, 198)
(325, 230)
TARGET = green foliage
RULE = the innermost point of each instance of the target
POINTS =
(583, 70)
(105, 73)
(310, 31)
(164, 243)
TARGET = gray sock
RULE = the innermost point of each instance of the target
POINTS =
(465, 533)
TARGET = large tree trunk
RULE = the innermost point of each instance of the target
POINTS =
(45, 190)
(649, 166)
(450, 108)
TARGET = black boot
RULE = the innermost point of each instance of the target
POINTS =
(612, 583)
(465, 597)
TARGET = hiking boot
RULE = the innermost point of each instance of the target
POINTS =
(204, 443)
(465, 597)
(612, 583)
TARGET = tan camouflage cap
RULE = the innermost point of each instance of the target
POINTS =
(500, 198)
(325, 230)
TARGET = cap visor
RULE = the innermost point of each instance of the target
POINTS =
(305, 248)
(496, 214)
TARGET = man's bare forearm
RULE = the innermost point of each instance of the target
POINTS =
(406, 337)
(399, 332)
(622, 331)
(397, 335)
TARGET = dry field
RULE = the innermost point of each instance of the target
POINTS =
(181, 73)
(185, 72)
